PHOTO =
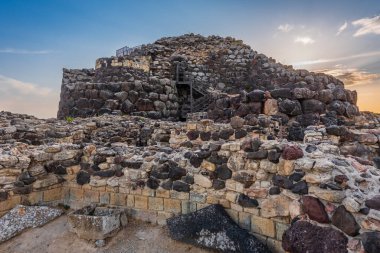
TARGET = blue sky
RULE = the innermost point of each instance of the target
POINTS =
(38, 38)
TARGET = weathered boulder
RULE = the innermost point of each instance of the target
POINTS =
(345, 221)
(213, 228)
(290, 107)
(292, 152)
(303, 237)
(315, 209)
(24, 217)
(371, 242)
(373, 203)
(312, 106)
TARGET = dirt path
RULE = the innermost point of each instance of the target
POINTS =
(137, 237)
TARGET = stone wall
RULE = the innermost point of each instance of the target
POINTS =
(157, 169)
(116, 90)
(219, 64)
(301, 104)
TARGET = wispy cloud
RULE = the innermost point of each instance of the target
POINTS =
(342, 28)
(23, 51)
(23, 97)
(338, 59)
(351, 76)
(367, 26)
(285, 27)
(304, 40)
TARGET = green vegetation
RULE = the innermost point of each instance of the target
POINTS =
(69, 119)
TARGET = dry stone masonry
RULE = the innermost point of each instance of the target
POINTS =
(236, 81)
(285, 152)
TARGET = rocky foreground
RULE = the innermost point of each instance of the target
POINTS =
(316, 195)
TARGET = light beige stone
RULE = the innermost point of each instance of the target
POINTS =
(208, 165)
(275, 206)
(263, 226)
(202, 181)
(270, 107)
(329, 195)
(285, 167)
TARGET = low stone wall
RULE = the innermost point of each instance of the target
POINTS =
(116, 90)
(158, 169)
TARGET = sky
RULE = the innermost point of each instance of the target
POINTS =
(38, 38)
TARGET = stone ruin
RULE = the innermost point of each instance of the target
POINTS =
(285, 152)
(221, 76)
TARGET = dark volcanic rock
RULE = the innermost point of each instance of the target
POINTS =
(261, 154)
(290, 107)
(371, 242)
(312, 106)
(240, 133)
(340, 179)
(177, 173)
(195, 161)
(105, 173)
(296, 176)
(246, 201)
(218, 184)
(251, 145)
(282, 181)
(303, 237)
(292, 152)
(376, 161)
(275, 190)
(83, 178)
(296, 132)
(274, 156)
(315, 209)
(211, 227)
(153, 183)
(256, 96)
(188, 179)
(308, 119)
(226, 133)
(300, 188)
(205, 136)
(3, 196)
(223, 172)
(181, 186)
(337, 130)
(373, 203)
(192, 135)
(345, 221)
(167, 185)
(282, 93)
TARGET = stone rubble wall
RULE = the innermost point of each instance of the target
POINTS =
(157, 169)
(116, 90)
(223, 64)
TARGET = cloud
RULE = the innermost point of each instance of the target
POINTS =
(342, 28)
(304, 40)
(23, 51)
(23, 97)
(367, 26)
(350, 57)
(285, 28)
(351, 76)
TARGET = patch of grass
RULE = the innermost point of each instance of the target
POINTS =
(69, 119)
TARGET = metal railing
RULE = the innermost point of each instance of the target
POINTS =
(126, 50)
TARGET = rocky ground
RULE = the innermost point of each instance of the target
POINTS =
(136, 237)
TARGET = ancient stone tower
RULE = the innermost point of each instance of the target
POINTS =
(222, 76)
